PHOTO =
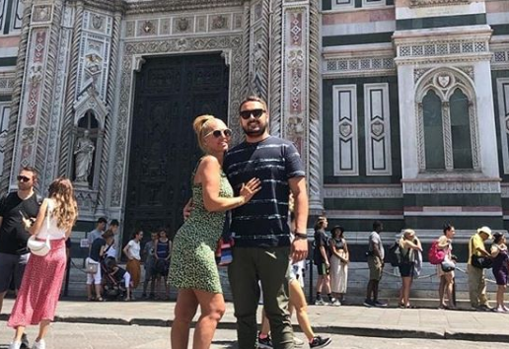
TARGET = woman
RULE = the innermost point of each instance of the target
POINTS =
(133, 266)
(38, 295)
(162, 262)
(96, 256)
(338, 264)
(446, 277)
(408, 245)
(500, 268)
(193, 269)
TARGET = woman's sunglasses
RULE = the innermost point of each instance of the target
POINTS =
(226, 133)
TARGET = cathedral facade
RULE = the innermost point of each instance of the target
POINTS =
(400, 108)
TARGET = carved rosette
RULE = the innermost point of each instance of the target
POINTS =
(133, 52)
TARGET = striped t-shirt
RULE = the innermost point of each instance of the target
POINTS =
(263, 221)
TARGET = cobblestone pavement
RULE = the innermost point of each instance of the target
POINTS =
(88, 336)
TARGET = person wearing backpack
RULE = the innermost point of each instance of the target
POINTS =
(444, 243)
(321, 260)
(409, 244)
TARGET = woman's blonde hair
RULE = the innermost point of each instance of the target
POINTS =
(201, 128)
(66, 209)
(410, 232)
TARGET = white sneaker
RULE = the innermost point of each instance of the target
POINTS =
(41, 344)
(298, 342)
(336, 303)
(15, 345)
(319, 302)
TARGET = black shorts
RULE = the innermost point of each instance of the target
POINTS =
(323, 269)
(406, 269)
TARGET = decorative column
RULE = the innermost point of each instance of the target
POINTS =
(300, 90)
(39, 81)
(10, 170)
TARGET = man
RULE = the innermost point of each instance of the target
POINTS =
(13, 235)
(476, 280)
(262, 235)
(112, 250)
(376, 254)
(321, 260)
(100, 227)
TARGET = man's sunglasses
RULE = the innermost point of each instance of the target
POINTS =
(246, 114)
(23, 179)
(226, 133)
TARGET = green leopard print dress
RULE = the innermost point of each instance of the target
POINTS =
(193, 263)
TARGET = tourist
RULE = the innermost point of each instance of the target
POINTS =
(340, 257)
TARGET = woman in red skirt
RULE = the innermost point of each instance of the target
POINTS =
(38, 295)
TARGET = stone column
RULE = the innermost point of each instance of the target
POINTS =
(38, 87)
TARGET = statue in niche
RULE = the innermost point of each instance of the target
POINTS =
(84, 154)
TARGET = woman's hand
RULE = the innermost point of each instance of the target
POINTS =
(250, 188)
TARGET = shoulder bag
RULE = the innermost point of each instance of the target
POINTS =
(41, 247)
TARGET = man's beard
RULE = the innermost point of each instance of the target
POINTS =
(255, 133)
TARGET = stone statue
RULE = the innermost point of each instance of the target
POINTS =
(84, 154)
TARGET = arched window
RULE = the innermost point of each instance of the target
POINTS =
(433, 131)
(460, 130)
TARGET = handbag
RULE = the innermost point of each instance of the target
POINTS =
(480, 262)
(91, 266)
(38, 247)
(447, 265)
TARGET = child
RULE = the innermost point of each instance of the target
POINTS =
(121, 274)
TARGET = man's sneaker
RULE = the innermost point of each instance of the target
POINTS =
(15, 345)
(25, 344)
(41, 344)
(319, 302)
(319, 342)
(264, 343)
(369, 303)
(336, 303)
(298, 342)
(379, 304)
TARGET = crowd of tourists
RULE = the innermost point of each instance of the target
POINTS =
(263, 241)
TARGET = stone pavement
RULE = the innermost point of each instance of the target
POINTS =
(348, 320)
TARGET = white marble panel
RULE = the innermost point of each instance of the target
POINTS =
(346, 153)
(503, 107)
(359, 28)
(378, 129)
(440, 11)
(497, 18)
(5, 109)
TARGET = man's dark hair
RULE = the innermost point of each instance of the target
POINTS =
(30, 169)
(114, 222)
(377, 225)
(101, 220)
(253, 99)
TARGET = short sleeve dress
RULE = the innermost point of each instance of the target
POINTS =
(193, 264)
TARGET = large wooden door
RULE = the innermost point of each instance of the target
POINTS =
(170, 93)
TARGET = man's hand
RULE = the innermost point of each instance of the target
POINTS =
(299, 250)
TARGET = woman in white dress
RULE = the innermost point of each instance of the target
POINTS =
(338, 264)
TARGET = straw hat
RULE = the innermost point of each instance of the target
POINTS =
(485, 230)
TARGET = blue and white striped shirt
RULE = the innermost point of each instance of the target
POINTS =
(263, 221)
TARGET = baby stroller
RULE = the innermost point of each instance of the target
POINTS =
(114, 288)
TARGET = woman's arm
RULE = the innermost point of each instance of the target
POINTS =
(413, 246)
(39, 221)
(101, 251)
(494, 251)
(209, 173)
(126, 250)
(345, 247)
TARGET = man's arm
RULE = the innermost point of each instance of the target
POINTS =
(301, 211)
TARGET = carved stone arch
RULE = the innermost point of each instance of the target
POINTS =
(444, 81)
(90, 100)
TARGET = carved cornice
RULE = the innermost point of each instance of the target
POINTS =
(427, 3)
(152, 6)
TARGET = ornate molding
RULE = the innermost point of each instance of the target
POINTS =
(427, 3)
(443, 48)
(363, 192)
(452, 187)
(131, 50)
(154, 6)
(355, 66)
(6, 84)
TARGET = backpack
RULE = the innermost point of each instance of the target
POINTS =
(395, 255)
(435, 255)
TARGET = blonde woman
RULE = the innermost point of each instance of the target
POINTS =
(40, 289)
(408, 245)
(192, 268)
